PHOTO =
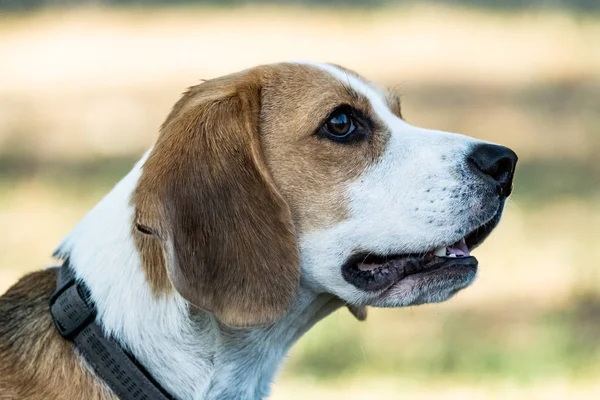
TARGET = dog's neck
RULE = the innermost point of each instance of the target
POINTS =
(185, 349)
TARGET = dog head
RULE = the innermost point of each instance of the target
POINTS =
(295, 172)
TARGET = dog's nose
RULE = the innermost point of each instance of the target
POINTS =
(495, 163)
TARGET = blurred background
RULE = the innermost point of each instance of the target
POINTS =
(84, 87)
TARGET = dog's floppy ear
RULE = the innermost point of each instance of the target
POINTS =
(206, 192)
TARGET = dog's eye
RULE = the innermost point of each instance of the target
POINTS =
(343, 125)
(340, 125)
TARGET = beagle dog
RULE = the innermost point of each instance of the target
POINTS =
(271, 198)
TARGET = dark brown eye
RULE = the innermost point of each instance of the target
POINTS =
(340, 125)
(345, 125)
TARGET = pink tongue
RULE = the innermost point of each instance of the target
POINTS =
(459, 248)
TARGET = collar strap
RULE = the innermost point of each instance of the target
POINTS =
(74, 316)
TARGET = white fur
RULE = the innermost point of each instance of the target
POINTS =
(190, 353)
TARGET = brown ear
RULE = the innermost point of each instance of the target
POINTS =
(205, 190)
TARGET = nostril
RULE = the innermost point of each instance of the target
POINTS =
(502, 170)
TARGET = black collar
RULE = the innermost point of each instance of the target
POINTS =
(74, 316)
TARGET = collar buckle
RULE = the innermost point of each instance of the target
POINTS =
(70, 311)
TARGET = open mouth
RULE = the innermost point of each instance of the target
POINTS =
(372, 272)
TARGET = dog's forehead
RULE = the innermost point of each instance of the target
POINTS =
(312, 73)
(332, 76)
(303, 93)
(377, 97)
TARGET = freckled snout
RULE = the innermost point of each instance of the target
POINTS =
(496, 164)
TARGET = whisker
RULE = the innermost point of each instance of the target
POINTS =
(367, 256)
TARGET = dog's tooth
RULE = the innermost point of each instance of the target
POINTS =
(451, 255)
(440, 252)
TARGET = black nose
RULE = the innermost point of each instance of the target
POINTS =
(496, 163)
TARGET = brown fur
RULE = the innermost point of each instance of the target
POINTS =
(152, 258)
(35, 362)
(206, 191)
(394, 101)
